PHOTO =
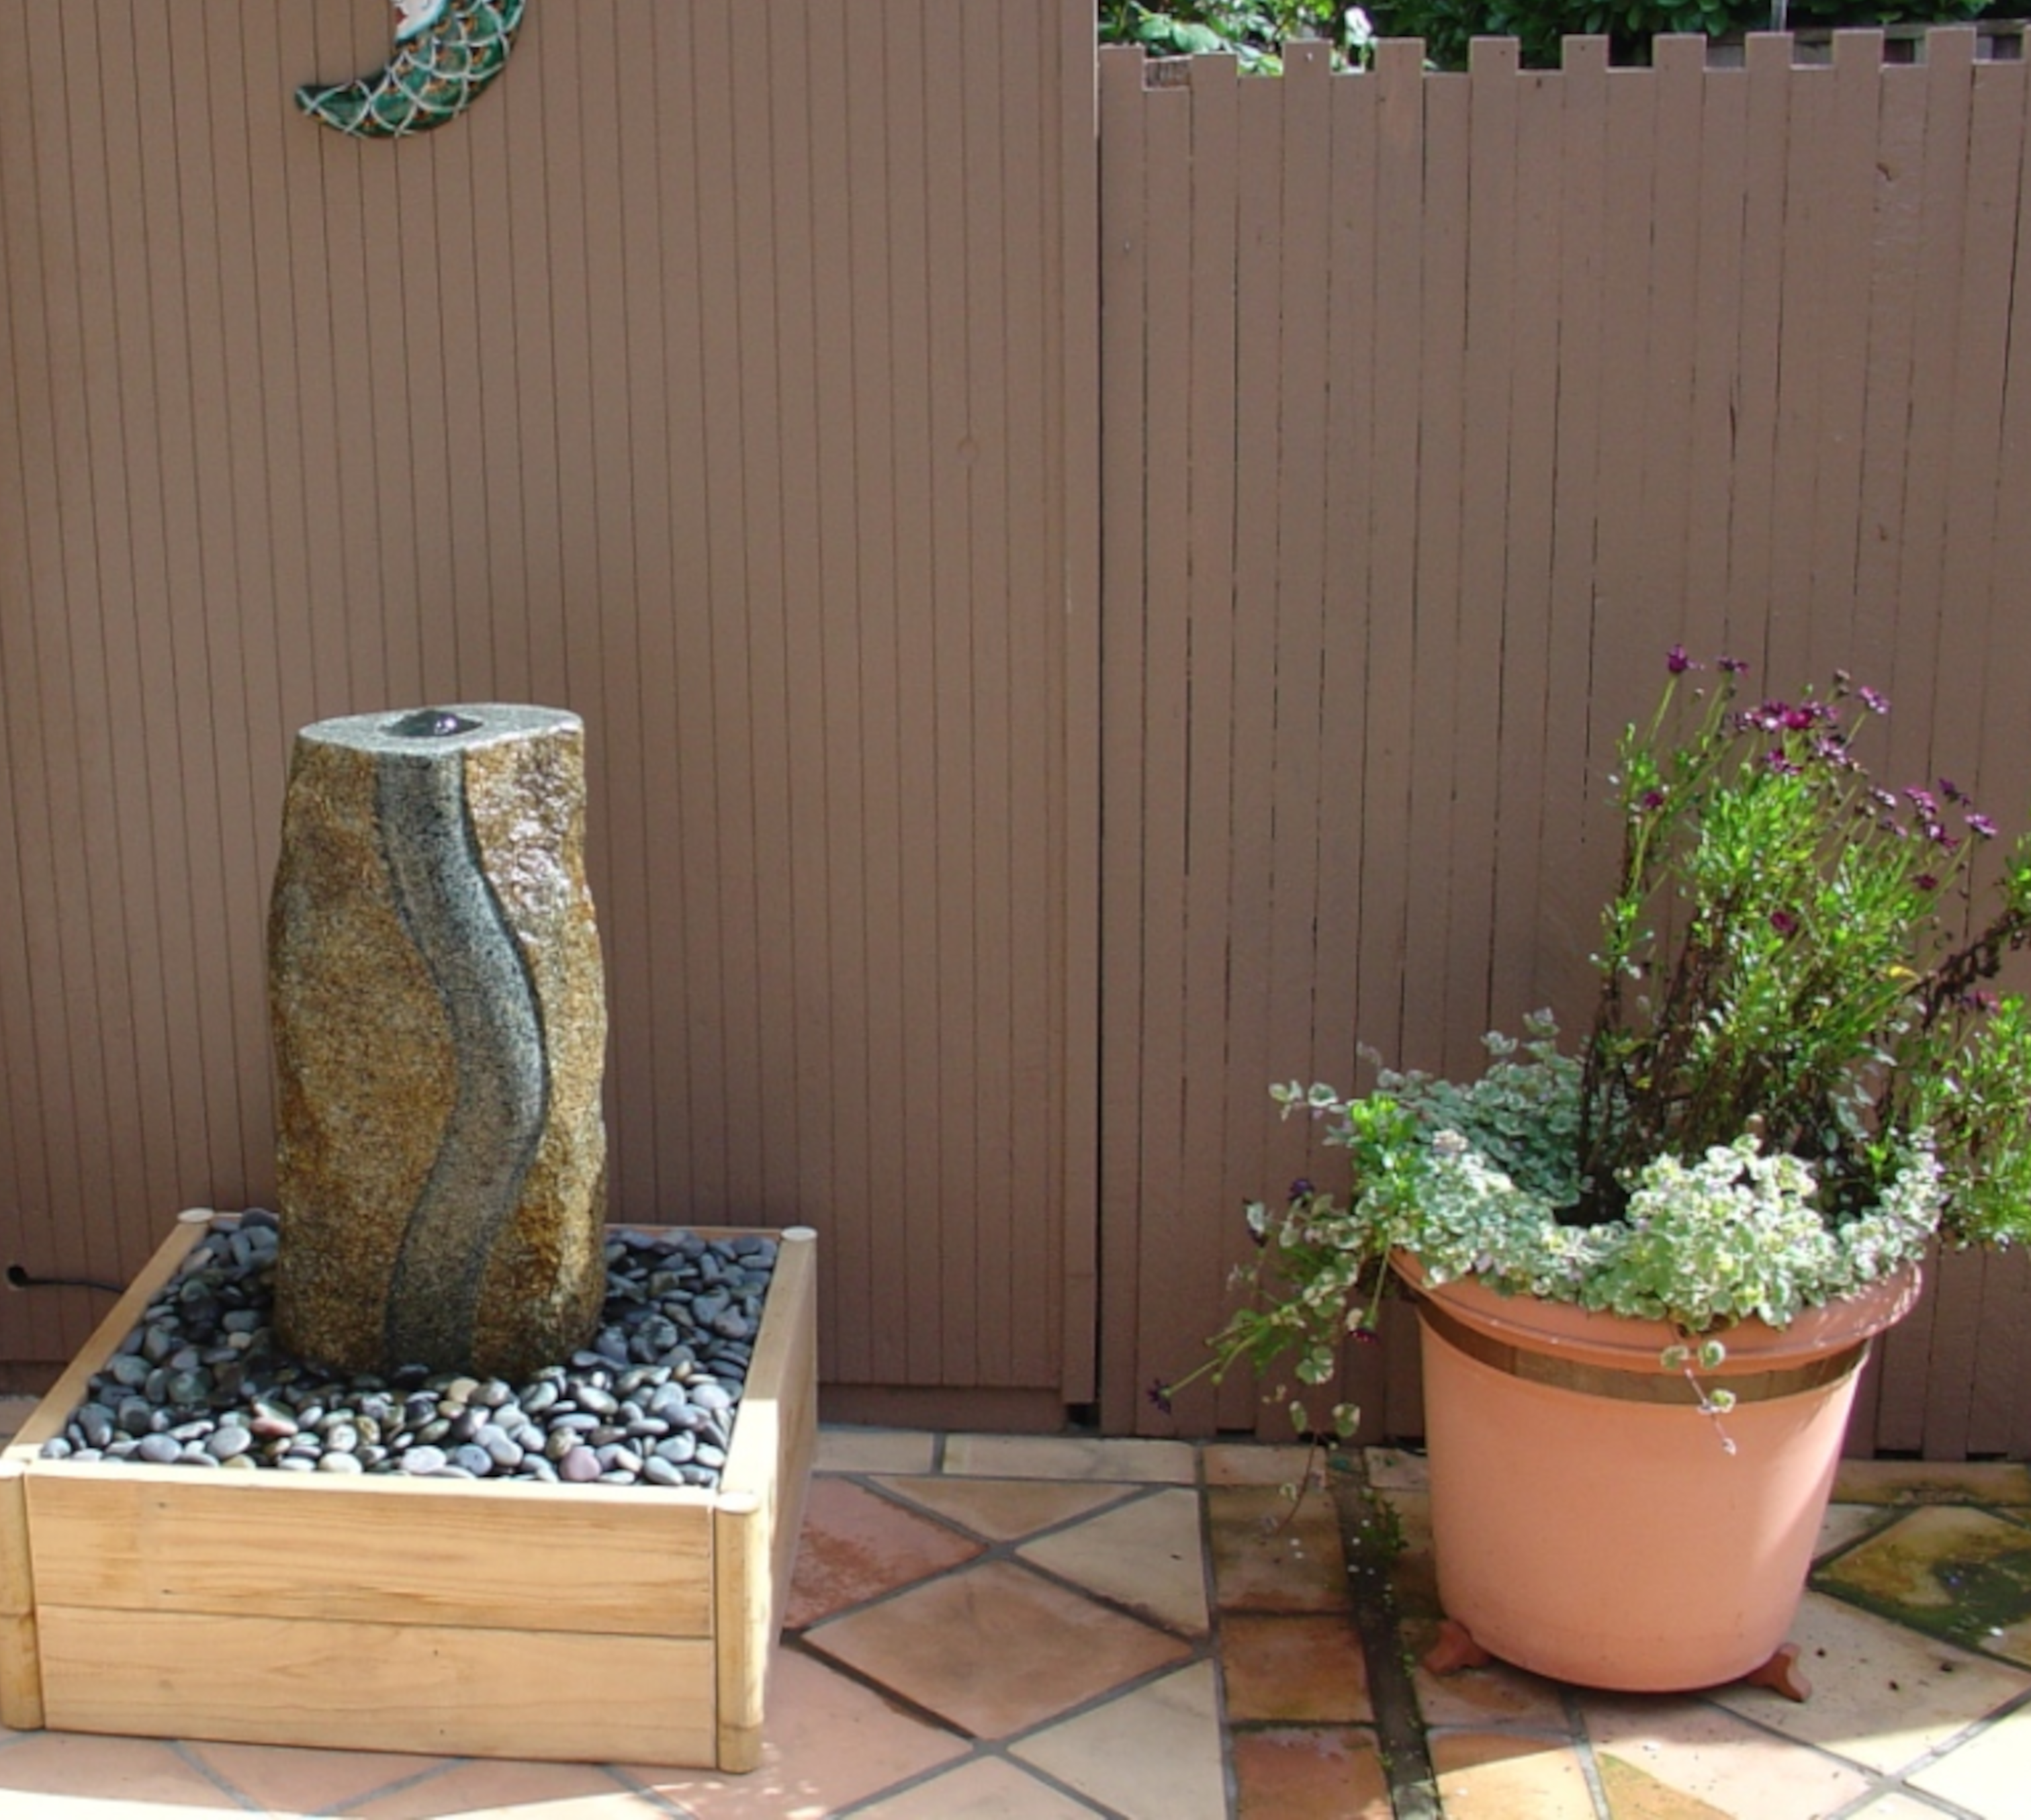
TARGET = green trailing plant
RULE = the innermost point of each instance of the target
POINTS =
(1798, 1073)
(1252, 30)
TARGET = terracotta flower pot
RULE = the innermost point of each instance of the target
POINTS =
(1590, 1523)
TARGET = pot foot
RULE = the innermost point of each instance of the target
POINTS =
(1782, 1675)
(1456, 1649)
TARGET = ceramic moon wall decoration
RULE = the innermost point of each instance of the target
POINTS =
(447, 53)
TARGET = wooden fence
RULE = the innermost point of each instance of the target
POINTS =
(1436, 408)
(723, 375)
(1083, 604)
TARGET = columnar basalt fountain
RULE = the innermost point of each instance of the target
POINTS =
(440, 1028)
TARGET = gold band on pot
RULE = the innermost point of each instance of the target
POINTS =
(1634, 1386)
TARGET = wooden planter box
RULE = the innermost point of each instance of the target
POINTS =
(461, 1618)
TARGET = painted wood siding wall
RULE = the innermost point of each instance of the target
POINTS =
(1436, 408)
(725, 376)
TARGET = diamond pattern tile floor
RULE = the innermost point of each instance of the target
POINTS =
(998, 1628)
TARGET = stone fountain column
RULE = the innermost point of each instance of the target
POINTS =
(439, 1015)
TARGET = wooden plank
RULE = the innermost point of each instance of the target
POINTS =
(1569, 900)
(1522, 788)
(20, 1662)
(1391, 508)
(1122, 284)
(1488, 364)
(1076, 1037)
(1257, 1051)
(48, 1417)
(1161, 710)
(1847, 176)
(574, 1696)
(986, 770)
(1430, 1037)
(1298, 518)
(862, 635)
(133, 1539)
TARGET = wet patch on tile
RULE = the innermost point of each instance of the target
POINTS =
(855, 1546)
(1310, 1773)
(1297, 1668)
(1270, 1556)
(1501, 1774)
(1961, 1574)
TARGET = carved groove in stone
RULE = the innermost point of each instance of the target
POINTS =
(497, 1030)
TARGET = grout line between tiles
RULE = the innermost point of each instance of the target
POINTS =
(179, 1748)
(1371, 1608)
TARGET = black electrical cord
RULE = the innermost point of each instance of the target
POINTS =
(20, 1278)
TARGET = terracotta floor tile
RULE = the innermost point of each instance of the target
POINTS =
(1990, 1774)
(1146, 1555)
(1882, 1696)
(843, 1450)
(1071, 1457)
(557, 1791)
(1152, 1754)
(1993, 1482)
(1498, 1695)
(856, 1545)
(1002, 1509)
(988, 1789)
(1701, 1751)
(830, 1742)
(1268, 1558)
(298, 1781)
(1704, 1752)
(995, 1649)
(80, 1771)
(1958, 1573)
(1506, 1776)
(1255, 1463)
(1295, 1668)
(1310, 1773)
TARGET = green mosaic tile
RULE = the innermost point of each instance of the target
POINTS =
(1953, 1572)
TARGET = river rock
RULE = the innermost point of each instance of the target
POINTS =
(439, 1018)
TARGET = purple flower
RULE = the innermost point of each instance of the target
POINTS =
(1796, 720)
(1651, 799)
(1925, 882)
(1922, 800)
(1677, 662)
(1780, 762)
(1950, 790)
(1981, 826)
(1301, 1187)
(1783, 922)
(1734, 666)
(1160, 1394)
(1874, 702)
(1946, 842)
